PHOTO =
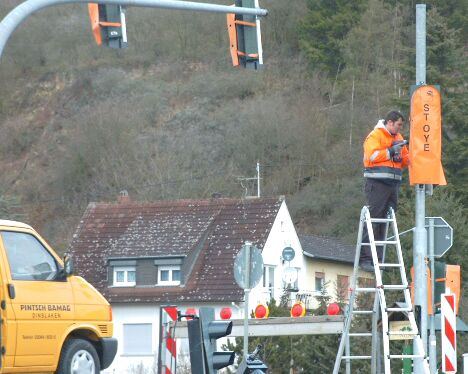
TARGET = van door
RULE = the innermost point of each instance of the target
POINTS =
(41, 298)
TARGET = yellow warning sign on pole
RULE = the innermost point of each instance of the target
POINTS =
(426, 137)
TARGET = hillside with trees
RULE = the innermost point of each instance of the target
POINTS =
(169, 117)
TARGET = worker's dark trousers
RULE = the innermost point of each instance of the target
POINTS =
(380, 197)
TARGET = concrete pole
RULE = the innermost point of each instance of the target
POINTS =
(432, 336)
(420, 236)
(258, 178)
(22, 11)
(247, 264)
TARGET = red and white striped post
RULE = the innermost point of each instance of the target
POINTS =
(449, 332)
(167, 342)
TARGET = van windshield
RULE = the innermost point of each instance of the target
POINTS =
(27, 257)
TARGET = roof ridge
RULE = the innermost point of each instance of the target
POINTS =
(183, 202)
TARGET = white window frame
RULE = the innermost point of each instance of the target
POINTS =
(269, 272)
(126, 282)
(319, 275)
(170, 269)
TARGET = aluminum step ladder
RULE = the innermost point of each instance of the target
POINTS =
(380, 304)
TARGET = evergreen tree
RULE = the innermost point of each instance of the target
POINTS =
(447, 67)
(326, 23)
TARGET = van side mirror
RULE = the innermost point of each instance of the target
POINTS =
(68, 265)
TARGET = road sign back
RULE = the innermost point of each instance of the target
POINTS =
(255, 266)
(443, 235)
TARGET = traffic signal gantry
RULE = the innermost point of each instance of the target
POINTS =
(114, 20)
(108, 23)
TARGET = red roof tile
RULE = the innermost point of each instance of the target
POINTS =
(217, 227)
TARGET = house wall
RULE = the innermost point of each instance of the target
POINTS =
(283, 234)
(331, 270)
(139, 313)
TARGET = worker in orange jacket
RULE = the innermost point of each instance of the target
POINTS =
(385, 155)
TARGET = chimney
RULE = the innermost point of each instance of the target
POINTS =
(123, 197)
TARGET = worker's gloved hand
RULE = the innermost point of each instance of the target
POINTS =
(395, 149)
(397, 158)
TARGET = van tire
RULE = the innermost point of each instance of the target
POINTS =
(78, 357)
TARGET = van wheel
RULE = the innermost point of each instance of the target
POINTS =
(78, 357)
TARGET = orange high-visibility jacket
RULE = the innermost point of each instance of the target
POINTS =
(377, 161)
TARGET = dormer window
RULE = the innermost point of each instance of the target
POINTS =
(168, 275)
(124, 276)
(145, 272)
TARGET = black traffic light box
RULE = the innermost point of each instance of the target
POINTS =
(244, 38)
(108, 24)
(212, 330)
(252, 365)
(197, 360)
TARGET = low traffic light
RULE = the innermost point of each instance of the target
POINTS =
(211, 331)
(197, 357)
(245, 38)
(108, 24)
(252, 367)
(446, 276)
(252, 364)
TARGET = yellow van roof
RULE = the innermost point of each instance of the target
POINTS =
(8, 223)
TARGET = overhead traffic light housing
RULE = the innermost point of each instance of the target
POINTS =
(211, 331)
(245, 37)
(108, 24)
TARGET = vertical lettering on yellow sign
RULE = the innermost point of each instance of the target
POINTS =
(426, 137)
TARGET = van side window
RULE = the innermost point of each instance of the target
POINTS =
(27, 257)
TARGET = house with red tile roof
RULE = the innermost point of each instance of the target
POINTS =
(329, 268)
(141, 255)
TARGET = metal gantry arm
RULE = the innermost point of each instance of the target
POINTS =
(22, 11)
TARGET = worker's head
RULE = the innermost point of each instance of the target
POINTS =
(394, 122)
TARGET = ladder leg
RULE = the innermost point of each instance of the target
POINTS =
(375, 334)
(348, 353)
(344, 342)
(379, 354)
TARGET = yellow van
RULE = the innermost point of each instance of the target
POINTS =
(51, 320)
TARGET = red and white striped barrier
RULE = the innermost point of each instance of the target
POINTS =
(167, 346)
(449, 332)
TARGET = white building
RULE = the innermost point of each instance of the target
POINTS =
(141, 255)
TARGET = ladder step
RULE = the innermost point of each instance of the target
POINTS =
(395, 286)
(409, 333)
(360, 334)
(402, 309)
(359, 289)
(407, 356)
(383, 242)
(390, 265)
(381, 220)
(356, 357)
(363, 311)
